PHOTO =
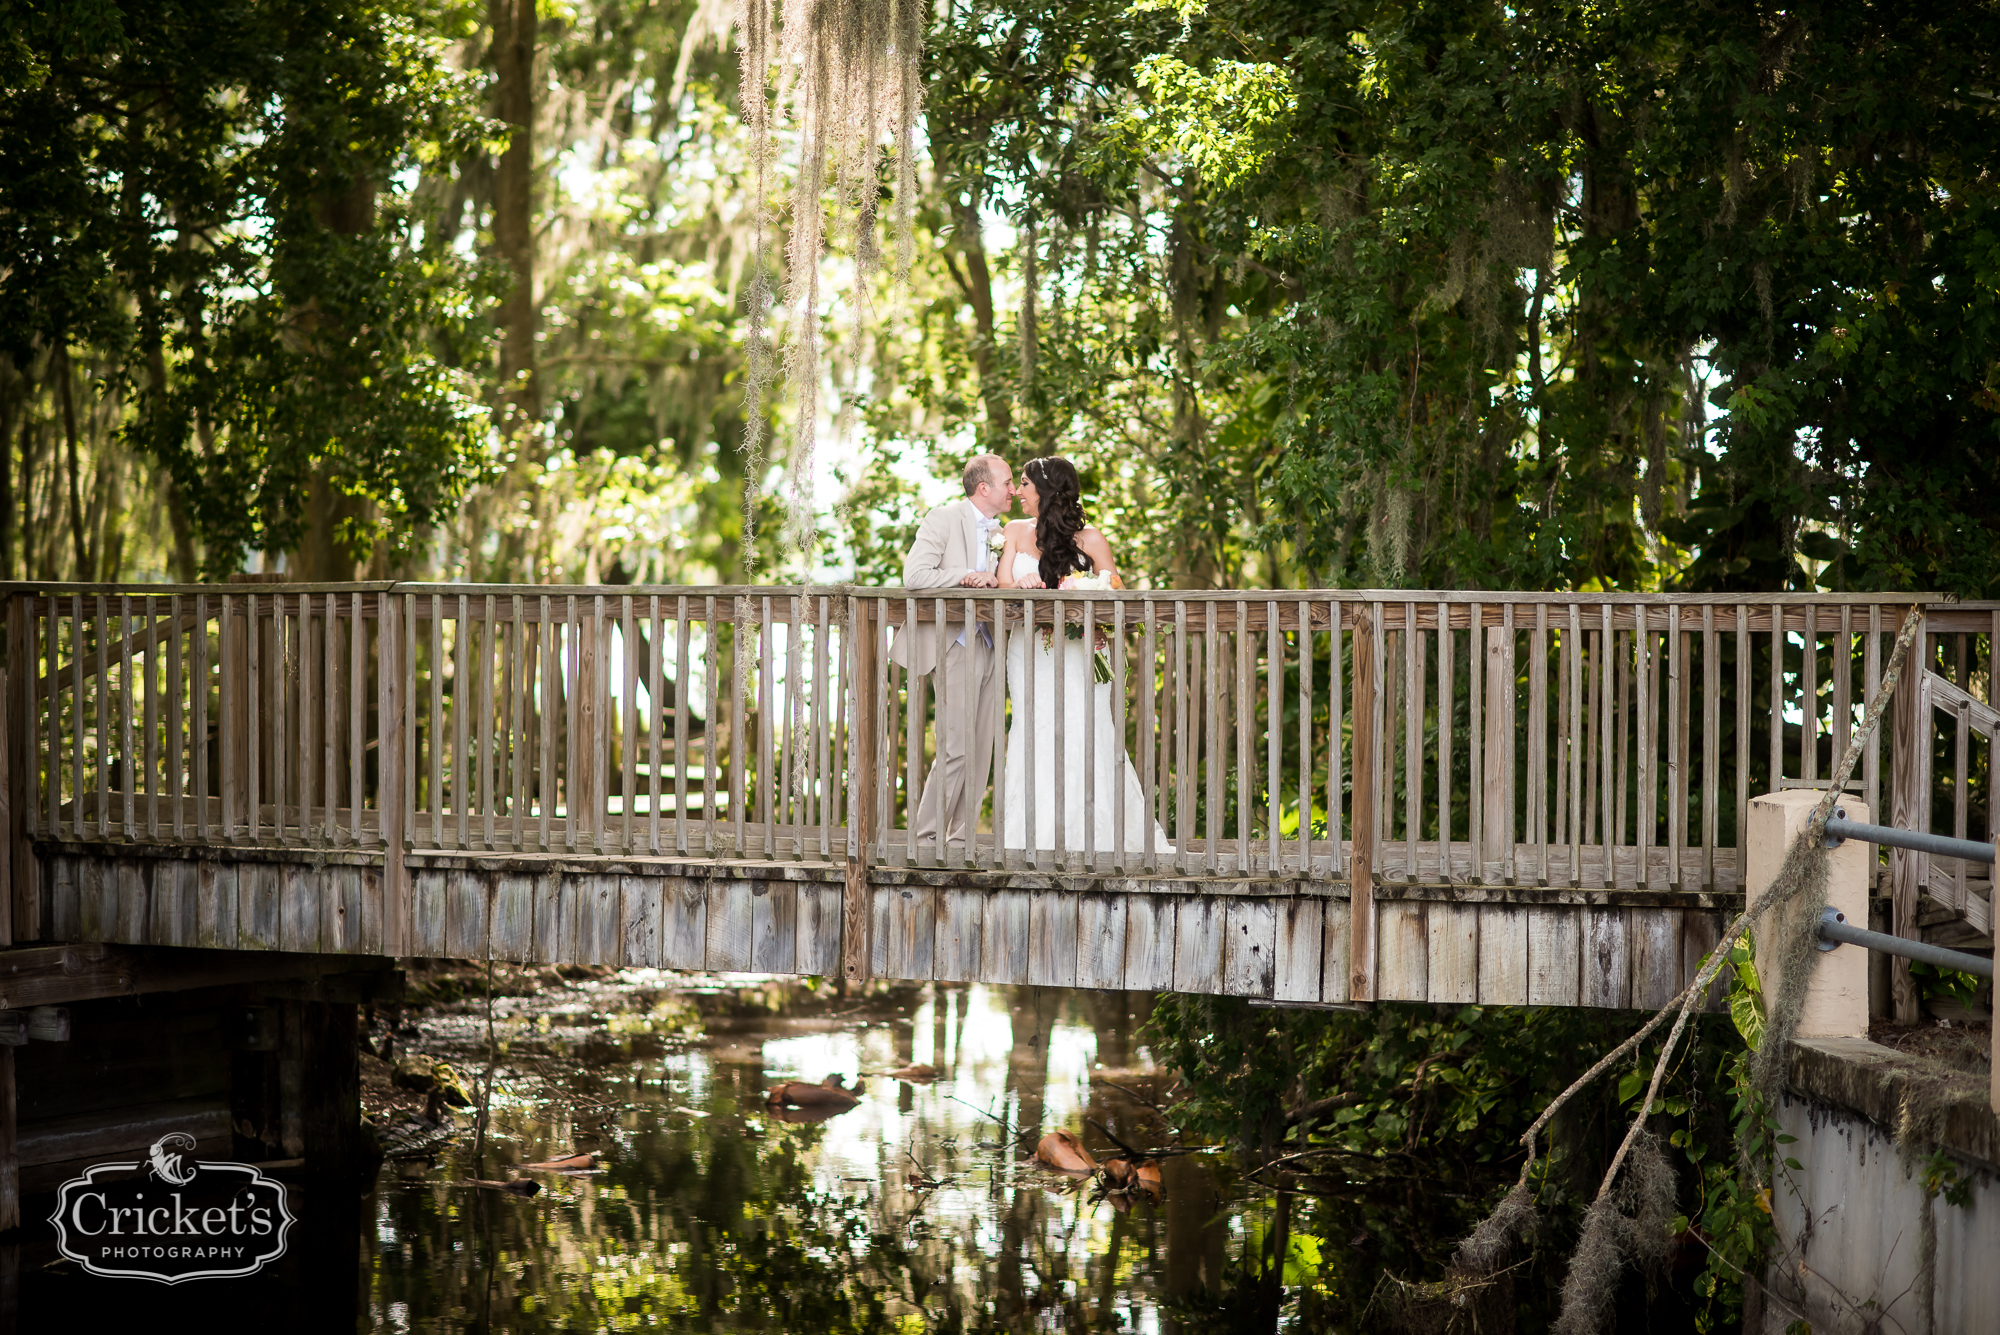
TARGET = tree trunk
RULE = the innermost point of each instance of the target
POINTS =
(513, 23)
(68, 393)
(977, 284)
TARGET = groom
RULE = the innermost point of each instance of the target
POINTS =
(955, 549)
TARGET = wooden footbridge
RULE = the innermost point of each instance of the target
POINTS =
(1507, 798)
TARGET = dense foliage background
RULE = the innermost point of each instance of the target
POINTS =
(1610, 295)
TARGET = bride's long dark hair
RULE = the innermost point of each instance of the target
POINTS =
(1061, 517)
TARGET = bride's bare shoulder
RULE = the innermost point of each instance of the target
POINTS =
(1018, 527)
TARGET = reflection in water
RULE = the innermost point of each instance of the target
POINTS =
(913, 1209)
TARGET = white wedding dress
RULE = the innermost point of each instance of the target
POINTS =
(1089, 735)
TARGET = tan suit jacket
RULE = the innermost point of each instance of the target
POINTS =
(947, 546)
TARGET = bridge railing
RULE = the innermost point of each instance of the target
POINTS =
(1597, 741)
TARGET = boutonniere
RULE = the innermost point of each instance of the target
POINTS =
(996, 537)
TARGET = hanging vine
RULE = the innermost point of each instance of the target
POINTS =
(850, 74)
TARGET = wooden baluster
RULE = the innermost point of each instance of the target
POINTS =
(151, 608)
(823, 710)
(516, 747)
(1336, 720)
(394, 632)
(977, 766)
(1777, 776)
(330, 730)
(1413, 741)
(839, 752)
(1677, 681)
(1961, 772)
(1711, 745)
(1608, 789)
(1151, 754)
(1274, 731)
(869, 750)
(628, 771)
(1217, 756)
(254, 730)
(1538, 740)
(229, 686)
(53, 722)
(1246, 752)
(1809, 699)
(197, 724)
(1361, 881)
(484, 672)
(463, 694)
(792, 765)
(1579, 746)
(103, 710)
(865, 798)
(1503, 710)
(357, 716)
(598, 714)
(656, 726)
(1627, 667)
(1480, 781)
(767, 707)
(1743, 655)
(126, 722)
(1645, 743)
(1181, 699)
(24, 768)
(1088, 724)
(1308, 665)
(548, 686)
(1842, 667)
(434, 734)
(1447, 694)
(1910, 785)
(682, 695)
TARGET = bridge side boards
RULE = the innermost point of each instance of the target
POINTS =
(1285, 941)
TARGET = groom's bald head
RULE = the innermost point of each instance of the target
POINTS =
(989, 484)
(983, 468)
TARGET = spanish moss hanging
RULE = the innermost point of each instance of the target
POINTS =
(849, 72)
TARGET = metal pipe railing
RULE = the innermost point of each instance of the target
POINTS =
(1840, 829)
(1834, 929)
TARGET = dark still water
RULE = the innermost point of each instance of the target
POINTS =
(914, 1210)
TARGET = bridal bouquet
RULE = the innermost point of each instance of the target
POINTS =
(1089, 582)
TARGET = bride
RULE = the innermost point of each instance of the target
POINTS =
(1052, 543)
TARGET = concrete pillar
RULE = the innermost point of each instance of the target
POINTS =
(1837, 998)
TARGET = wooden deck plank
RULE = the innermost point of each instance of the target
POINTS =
(729, 926)
(465, 914)
(1655, 935)
(1453, 960)
(686, 931)
(1402, 957)
(239, 907)
(546, 913)
(774, 926)
(91, 923)
(1149, 943)
(600, 923)
(1607, 959)
(370, 936)
(1250, 962)
(956, 952)
(427, 913)
(1333, 971)
(819, 929)
(1100, 941)
(1003, 937)
(298, 907)
(1503, 955)
(639, 899)
(1301, 941)
(513, 926)
(1555, 957)
(569, 899)
(913, 933)
(340, 910)
(1701, 932)
(63, 916)
(881, 922)
(129, 887)
(1198, 933)
(1052, 938)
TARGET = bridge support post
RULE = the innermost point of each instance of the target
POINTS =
(1836, 1003)
(1909, 809)
(856, 948)
(1364, 786)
